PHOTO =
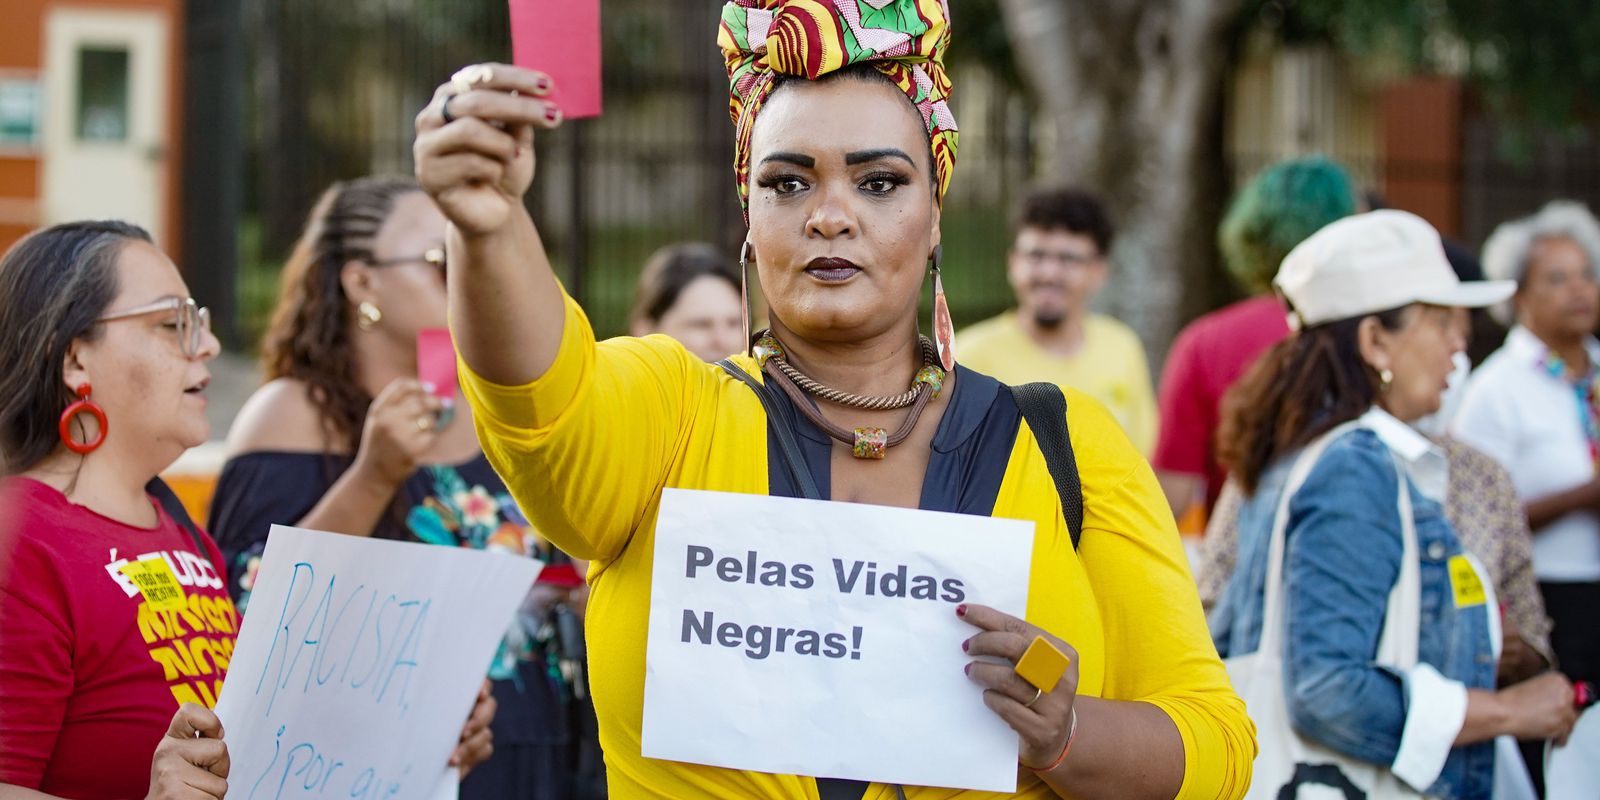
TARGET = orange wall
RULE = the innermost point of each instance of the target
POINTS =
(22, 48)
(1422, 149)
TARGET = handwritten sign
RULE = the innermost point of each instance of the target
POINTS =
(358, 664)
(813, 638)
(561, 38)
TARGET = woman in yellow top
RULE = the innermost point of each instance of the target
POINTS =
(842, 161)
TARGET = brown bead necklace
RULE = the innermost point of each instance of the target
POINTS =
(865, 442)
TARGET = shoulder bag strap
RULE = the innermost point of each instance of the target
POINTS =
(169, 501)
(785, 436)
(1045, 408)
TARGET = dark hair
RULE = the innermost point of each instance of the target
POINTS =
(1303, 387)
(867, 73)
(670, 270)
(309, 336)
(1066, 209)
(55, 284)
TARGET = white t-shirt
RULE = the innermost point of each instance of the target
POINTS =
(1527, 419)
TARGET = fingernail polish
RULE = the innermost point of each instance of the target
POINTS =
(552, 115)
(966, 670)
(961, 610)
(966, 645)
(543, 84)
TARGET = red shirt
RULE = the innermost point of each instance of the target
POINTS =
(1206, 359)
(104, 629)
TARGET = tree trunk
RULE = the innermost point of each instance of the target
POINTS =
(1131, 93)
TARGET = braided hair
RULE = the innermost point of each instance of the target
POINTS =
(309, 338)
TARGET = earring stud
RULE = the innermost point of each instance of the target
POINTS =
(367, 315)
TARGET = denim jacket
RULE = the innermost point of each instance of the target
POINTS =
(1342, 557)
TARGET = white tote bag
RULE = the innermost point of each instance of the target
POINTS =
(1287, 766)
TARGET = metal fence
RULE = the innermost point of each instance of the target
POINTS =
(332, 89)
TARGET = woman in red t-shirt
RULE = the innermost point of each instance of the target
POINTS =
(115, 625)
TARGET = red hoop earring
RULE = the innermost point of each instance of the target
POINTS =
(83, 405)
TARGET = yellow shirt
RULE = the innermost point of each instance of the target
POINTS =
(1110, 367)
(587, 448)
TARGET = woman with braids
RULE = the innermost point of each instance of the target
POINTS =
(845, 147)
(344, 438)
(103, 375)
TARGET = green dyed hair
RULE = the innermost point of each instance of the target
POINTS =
(1280, 208)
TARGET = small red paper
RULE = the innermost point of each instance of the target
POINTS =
(436, 361)
(560, 575)
(561, 38)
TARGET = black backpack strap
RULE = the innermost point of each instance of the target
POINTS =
(775, 423)
(169, 501)
(1045, 408)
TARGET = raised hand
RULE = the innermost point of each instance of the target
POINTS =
(399, 431)
(474, 146)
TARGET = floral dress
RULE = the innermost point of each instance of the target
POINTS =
(463, 505)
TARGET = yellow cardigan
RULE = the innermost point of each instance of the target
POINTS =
(587, 448)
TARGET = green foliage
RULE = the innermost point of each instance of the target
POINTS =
(981, 39)
(1534, 61)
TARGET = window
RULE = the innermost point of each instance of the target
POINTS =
(103, 94)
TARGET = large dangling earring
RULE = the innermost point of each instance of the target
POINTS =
(83, 405)
(367, 315)
(744, 294)
(944, 332)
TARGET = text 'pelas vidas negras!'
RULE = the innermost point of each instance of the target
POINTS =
(846, 576)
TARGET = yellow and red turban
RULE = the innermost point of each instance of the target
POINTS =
(903, 39)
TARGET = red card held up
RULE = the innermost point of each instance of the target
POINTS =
(561, 38)
(436, 361)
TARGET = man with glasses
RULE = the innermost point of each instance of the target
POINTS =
(1056, 266)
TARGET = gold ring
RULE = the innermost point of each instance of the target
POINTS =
(1037, 693)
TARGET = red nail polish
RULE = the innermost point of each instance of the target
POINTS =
(966, 645)
(967, 669)
(961, 610)
(543, 84)
(552, 114)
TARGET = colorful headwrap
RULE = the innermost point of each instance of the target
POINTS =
(903, 39)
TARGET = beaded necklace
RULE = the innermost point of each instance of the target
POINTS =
(1586, 391)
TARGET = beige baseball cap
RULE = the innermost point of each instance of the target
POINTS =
(1374, 262)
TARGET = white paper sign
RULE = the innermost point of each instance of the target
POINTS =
(358, 663)
(814, 638)
(1574, 770)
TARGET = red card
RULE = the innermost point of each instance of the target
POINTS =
(436, 361)
(561, 38)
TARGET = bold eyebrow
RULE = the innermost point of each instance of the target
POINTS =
(798, 159)
(864, 156)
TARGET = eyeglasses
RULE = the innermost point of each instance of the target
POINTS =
(1070, 260)
(433, 256)
(194, 321)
